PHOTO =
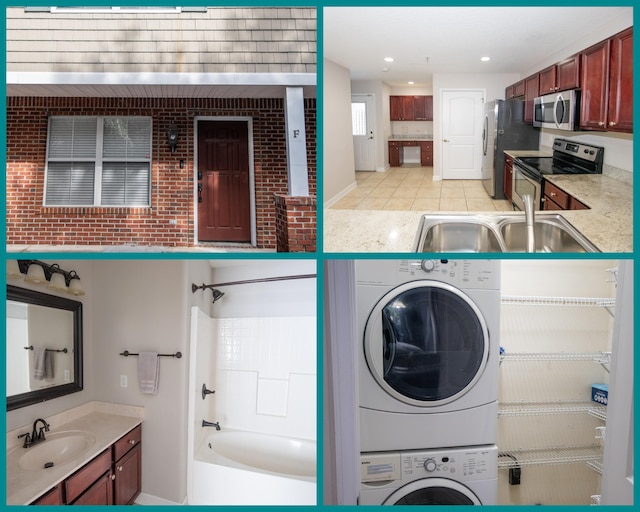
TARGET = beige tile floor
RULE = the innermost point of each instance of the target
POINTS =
(410, 188)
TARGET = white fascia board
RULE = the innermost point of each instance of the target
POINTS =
(56, 78)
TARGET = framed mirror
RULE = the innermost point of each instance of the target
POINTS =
(43, 347)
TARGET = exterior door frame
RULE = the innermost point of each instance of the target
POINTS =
(252, 180)
(369, 99)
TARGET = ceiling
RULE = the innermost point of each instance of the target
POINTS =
(428, 40)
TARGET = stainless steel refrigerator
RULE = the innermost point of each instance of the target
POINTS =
(504, 128)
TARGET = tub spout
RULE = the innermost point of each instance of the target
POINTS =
(206, 423)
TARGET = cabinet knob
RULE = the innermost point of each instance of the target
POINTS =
(119, 468)
(132, 441)
(553, 194)
(611, 123)
(601, 123)
(113, 477)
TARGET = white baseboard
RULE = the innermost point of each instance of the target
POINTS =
(339, 195)
(149, 499)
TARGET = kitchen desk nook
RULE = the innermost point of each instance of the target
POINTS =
(93, 457)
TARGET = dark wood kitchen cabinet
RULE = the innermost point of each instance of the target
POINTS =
(394, 154)
(607, 85)
(426, 154)
(557, 199)
(531, 88)
(508, 176)
(114, 477)
(562, 76)
(411, 108)
(516, 90)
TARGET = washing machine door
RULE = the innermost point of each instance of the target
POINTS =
(433, 491)
(426, 343)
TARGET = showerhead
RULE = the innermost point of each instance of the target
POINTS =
(217, 295)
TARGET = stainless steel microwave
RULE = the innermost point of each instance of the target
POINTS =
(560, 111)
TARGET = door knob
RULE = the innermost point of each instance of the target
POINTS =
(445, 140)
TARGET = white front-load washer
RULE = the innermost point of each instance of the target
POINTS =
(458, 476)
(428, 353)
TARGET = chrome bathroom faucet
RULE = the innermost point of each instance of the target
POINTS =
(206, 423)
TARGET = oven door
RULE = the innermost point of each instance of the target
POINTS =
(524, 184)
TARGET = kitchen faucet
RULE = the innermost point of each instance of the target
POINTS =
(530, 221)
(206, 423)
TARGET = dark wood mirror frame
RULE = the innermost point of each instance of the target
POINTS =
(18, 294)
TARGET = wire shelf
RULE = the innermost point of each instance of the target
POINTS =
(551, 456)
(596, 465)
(549, 408)
(596, 357)
(598, 302)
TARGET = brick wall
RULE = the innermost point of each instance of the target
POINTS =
(296, 223)
(170, 219)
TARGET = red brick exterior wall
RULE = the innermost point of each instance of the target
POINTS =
(296, 223)
(170, 219)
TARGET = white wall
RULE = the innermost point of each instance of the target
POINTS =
(338, 169)
(141, 305)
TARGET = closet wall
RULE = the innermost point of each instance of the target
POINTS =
(554, 329)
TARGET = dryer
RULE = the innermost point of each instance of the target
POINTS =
(428, 353)
(460, 476)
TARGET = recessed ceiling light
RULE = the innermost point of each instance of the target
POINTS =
(485, 59)
(388, 59)
(411, 83)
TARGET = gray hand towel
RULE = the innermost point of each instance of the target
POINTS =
(42, 364)
(148, 372)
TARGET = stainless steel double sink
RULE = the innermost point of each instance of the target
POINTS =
(497, 233)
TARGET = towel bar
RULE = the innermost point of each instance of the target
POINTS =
(30, 347)
(177, 355)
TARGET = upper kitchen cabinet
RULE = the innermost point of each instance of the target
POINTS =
(562, 76)
(411, 108)
(515, 91)
(531, 87)
(607, 85)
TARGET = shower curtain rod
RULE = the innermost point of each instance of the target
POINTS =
(195, 287)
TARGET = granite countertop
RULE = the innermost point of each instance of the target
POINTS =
(105, 422)
(608, 224)
(410, 137)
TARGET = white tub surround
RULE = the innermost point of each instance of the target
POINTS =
(105, 422)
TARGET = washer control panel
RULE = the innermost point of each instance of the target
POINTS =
(462, 273)
(474, 463)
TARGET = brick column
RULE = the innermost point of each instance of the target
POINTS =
(295, 223)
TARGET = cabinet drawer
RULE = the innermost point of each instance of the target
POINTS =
(77, 483)
(126, 442)
(558, 196)
(53, 497)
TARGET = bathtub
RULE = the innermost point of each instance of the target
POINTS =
(234, 467)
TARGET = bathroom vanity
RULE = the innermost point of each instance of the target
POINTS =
(104, 467)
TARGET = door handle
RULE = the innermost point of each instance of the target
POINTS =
(199, 192)
(445, 140)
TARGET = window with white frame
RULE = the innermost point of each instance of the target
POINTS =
(98, 161)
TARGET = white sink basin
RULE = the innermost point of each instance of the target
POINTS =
(59, 448)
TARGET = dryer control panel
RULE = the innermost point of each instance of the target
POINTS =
(474, 463)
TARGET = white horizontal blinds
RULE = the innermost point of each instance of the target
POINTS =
(72, 154)
(126, 161)
(98, 161)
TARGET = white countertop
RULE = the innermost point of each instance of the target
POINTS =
(608, 224)
(105, 422)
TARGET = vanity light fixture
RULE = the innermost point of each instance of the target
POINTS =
(39, 272)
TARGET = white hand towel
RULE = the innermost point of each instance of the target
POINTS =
(39, 362)
(148, 372)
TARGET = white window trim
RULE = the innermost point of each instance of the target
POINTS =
(116, 10)
(99, 159)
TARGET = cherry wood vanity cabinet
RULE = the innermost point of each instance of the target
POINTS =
(114, 477)
(557, 199)
(607, 85)
(508, 176)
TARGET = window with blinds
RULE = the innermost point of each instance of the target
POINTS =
(98, 161)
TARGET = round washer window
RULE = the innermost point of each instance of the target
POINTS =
(426, 343)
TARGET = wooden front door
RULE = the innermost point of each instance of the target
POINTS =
(224, 208)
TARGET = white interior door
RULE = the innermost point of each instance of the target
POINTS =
(362, 121)
(462, 118)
